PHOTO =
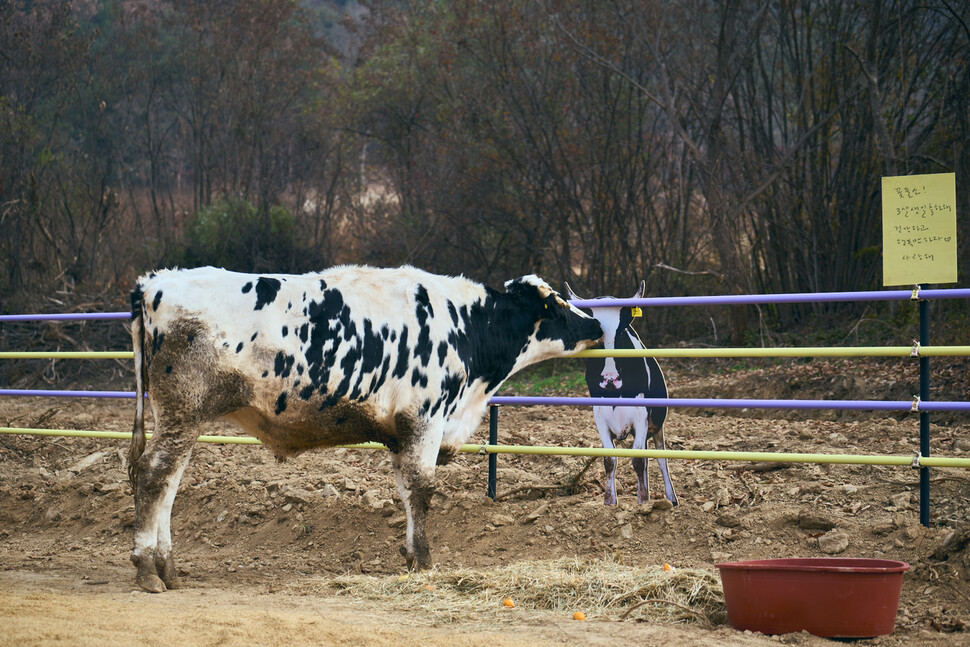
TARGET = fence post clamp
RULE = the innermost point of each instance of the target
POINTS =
(915, 463)
(914, 352)
(481, 448)
(915, 405)
(915, 295)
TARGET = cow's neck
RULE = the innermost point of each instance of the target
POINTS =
(496, 334)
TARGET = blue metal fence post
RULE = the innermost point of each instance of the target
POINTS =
(924, 417)
(492, 458)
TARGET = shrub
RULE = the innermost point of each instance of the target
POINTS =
(234, 234)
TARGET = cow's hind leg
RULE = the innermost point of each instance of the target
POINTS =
(657, 432)
(157, 476)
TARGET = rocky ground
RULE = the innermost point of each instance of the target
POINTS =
(255, 537)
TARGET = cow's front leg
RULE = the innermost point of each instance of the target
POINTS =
(157, 476)
(609, 462)
(414, 469)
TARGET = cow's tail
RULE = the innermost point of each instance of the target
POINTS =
(137, 446)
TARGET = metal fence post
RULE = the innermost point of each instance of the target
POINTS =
(924, 417)
(492, 458)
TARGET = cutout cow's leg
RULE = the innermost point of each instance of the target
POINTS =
(609, 462)
(641, 431)
(657, 433)
(156, 479)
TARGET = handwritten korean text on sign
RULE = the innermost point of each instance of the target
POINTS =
(919, 229)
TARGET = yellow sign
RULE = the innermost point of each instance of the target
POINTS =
(919, 229)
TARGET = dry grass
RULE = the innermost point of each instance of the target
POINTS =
(602, 589)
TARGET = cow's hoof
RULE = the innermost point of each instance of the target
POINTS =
(172, 583)
(150, 582)
(408, 558)
(166, 571)
(419, 562)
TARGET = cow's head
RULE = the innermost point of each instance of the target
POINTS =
(558, 328)
(612, 320)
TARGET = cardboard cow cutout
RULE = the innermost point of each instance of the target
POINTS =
(627, 377)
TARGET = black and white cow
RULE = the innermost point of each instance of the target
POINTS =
(351, 354)
(627, 377)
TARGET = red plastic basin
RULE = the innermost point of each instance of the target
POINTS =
(827, 596)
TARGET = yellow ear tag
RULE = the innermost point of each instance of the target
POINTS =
(637, 312)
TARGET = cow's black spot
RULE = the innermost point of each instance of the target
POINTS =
(299, 369)
(450, 385)
(418, 378)
(168, 369)
(157, 300)
(285, 331)
(282, 364)
(348, 324)
(385, 366)
(453, 312)
(318, 332)
(442, 353)
(373, 348)
(266, 289)
(239, 347)
(281, 403)
(423, 348)
(158, 338)
(328, 308)
(265, 373)
(323, 285)
(347, 364)
(424, 407)
(401, 367)
(423, 312)
(246, 288)
(189, 338)
(423, 300)
(306, 392)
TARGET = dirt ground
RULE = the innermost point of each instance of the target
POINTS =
(257, 541)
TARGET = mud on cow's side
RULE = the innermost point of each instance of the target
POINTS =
(347, 355)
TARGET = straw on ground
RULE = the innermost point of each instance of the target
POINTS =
(605, 588)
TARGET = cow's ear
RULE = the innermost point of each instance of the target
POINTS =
(572, 295)
(516, 287)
